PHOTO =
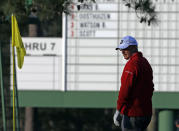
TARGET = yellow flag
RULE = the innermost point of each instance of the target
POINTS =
(17, 42)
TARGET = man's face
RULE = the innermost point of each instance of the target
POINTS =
(126, 53)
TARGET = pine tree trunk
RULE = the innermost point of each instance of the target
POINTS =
(29, 111)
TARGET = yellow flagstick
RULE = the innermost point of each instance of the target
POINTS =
(14, 119)
(14, 112)
(21, 52)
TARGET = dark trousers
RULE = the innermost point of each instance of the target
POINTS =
(135, 123)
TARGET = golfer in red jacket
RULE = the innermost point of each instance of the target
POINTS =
(134, 102)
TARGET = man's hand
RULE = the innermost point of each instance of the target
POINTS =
(116, 118)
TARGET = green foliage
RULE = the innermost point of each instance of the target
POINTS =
(75, 120)
(145, 10)
(49, 12)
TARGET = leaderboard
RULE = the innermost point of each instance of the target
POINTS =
(96, 30)
(94, 20)
(89, 61)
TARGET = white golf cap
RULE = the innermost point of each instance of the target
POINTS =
(127, 41)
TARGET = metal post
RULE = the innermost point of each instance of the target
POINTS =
(153, 126)
(15, 95)
(66, 50)
(2, 93)
(118, 39)
(166, 120)
(17, 105)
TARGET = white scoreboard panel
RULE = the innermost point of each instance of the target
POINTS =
(43, 67)
(95, 31)
(92, 38)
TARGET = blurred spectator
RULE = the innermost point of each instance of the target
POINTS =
(177, 124)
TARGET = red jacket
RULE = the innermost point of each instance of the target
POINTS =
(136, 87)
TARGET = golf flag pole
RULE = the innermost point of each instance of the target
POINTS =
(21, 52)
(14, 120)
